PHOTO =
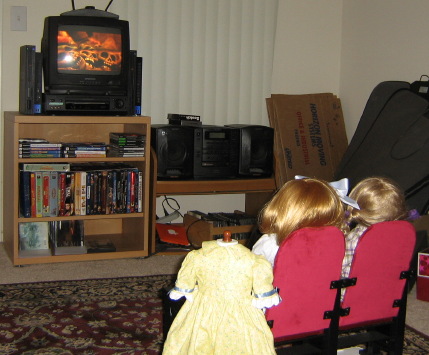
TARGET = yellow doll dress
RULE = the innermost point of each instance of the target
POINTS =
(219, 318)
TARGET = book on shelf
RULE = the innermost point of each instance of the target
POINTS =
(67, 237)
(69, 194)
(33, 193)
(53, 193)
(25, 193)
(53, 154)
(109, 197)
(114, 154)
(140, 192)
(132, 188)
(45, 167)
(82, 200)
(85, 154)
(32, 140)
(127, 136)
(103, 192)
(61, 193)
(84, 146)
(30, 149)
(41, 146)
(46, 176)
(77, 193)
(198, 214)
(39, 194)
(34, 239)
(100, 246)
(89, 192)
(128, 148)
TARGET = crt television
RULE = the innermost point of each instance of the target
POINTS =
(85, 55)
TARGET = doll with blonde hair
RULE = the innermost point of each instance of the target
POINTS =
(306, 202)
(380, 199)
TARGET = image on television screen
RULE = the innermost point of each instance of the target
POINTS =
(89, 49)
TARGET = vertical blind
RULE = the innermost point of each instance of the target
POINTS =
(211, 58)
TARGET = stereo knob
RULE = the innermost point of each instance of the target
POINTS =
(119, 103)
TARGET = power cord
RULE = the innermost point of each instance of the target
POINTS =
(169, 216)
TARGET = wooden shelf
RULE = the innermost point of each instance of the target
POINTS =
(129, 231)
(205, 187)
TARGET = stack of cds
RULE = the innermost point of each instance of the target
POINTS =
(84, 150)
(126, 145)
(38, 148)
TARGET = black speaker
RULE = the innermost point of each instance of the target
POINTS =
(30, 80)
(174, 147)
(256, 150)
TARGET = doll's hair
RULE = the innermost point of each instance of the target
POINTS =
(380, 199)
(301, 203)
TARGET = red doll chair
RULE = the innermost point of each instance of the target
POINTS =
(307, 270)
(375, 306)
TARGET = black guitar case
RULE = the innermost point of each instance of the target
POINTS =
(392, 140)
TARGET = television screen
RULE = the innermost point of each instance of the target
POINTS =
(89, 49)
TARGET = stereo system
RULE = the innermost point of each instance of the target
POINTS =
(213, 152)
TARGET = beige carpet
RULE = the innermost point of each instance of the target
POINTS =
(153, 265)
(417, 311)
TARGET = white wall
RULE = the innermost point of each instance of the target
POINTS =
(307, 47)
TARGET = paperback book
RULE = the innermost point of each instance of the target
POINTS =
(34, 239)
(67, 237)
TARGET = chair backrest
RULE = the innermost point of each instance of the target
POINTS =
(306, 264)
(382, 253)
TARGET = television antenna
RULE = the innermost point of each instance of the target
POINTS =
(90, 11)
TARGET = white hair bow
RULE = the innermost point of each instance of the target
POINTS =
(342, 188)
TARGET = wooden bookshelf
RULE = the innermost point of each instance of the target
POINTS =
(128, 231)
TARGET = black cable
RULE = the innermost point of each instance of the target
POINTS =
(167, 201)
(108, 5)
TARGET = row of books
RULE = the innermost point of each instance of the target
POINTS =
(41, 148)
(58, 238)
(121, 145)
(126, 145)
(79, 189)
(225, 219)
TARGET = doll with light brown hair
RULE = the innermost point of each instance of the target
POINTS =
(298, 204)
(380, 199)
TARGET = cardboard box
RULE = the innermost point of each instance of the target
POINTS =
(310, 137)
(423, 276)
(199, 230)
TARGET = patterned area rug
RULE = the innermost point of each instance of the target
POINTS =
(121, 316)
(103, 316)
